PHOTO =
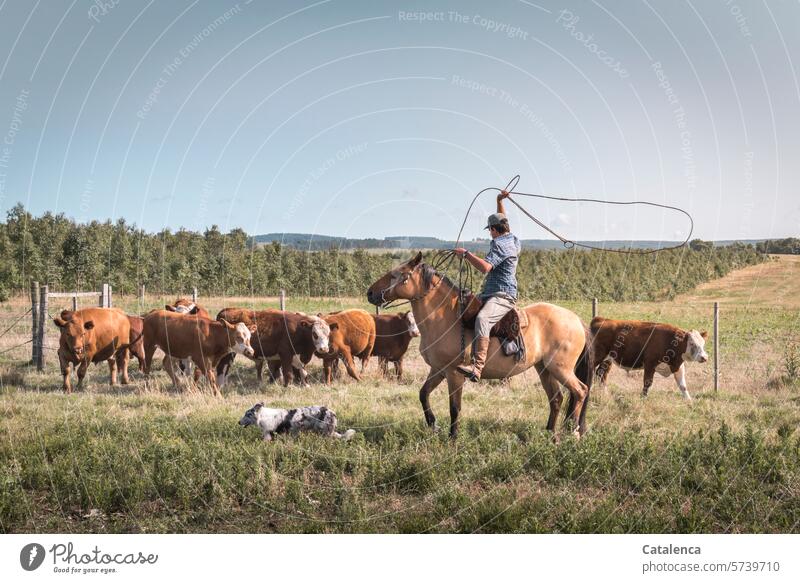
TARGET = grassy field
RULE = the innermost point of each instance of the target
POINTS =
(125, 460)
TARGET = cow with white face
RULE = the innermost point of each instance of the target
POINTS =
(652, 346)
(393, 333)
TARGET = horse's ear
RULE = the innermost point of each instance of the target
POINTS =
(417, 260)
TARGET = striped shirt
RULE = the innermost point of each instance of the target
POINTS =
(503, 256)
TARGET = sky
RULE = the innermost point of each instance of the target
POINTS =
(386, 118)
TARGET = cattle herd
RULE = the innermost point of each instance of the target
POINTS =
(195, 346)
(190, 339)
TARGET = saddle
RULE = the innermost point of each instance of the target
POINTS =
(508, 329)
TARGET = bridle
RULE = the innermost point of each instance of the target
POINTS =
(399, 302)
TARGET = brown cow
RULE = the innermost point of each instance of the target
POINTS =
(393, 333)
(284, 339)
(352, 334)
(185, 306)
(93, 335)
(204, 341)
(633, 344)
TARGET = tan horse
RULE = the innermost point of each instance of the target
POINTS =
(555, 343)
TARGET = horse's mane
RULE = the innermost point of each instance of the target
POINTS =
(429, 272)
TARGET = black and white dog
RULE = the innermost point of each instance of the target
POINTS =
(273, 421)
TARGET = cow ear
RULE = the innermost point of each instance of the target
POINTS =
(227, 324)
(258, 406)
(253, 329)
(319, 315)
(59, 322)
(417, 260)
(305, 323)
(88, 325)
(704, 334)
(194, 310)
(334, 326)
(169, 308)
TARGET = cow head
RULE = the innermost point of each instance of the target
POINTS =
(403, 282)
(241, 337)
(182, 306)
(76, 332)
(320, 333)
(695, 347)
(250, 416)
(412, 324)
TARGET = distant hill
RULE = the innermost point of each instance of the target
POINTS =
(307, 241)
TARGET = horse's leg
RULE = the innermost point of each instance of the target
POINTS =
(578, 391)
(455, 386)
(433, 381)
(554, 398)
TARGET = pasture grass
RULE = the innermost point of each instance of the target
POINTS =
(126, 459)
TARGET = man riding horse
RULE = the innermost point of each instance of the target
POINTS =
(499, 293)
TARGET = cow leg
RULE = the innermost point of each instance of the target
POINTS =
(300, 370)
(398, 368)
(82, 368)
(433, 381)
(349, 364)
(149, 351)
(66, 366)
(259, 369)
(286, 366)
(649, 372)
(123, 359)
(327, 366)
(274, 369)
(383, 366)
(455, 386)
(169, 367)
(224, 367)
(112, 371)
(208, 370)
(680, 378)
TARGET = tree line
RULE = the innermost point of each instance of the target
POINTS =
(56, 250)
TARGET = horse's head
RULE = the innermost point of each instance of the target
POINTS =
(404, 282)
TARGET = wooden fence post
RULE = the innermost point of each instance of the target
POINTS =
(716, 346)
(35, 322)
(110, 301)
(283, 300)
(194, 295)
(594, 307)
(40, 359)
(377, 310)
(75, 302)
(141, 297)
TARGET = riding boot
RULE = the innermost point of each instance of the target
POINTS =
(479, 352)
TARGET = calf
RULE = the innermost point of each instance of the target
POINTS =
(205, 341)
(93, 335)
(275, 421)
(655, 347)
(393, 333)
(285, 339)
(351, 334)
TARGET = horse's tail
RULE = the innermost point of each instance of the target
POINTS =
(584, 370)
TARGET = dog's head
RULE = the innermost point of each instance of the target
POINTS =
(250, 416)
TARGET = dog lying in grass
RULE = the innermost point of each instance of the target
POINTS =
(275, 421)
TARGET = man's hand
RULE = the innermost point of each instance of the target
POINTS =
(460, 251)
(503, 194)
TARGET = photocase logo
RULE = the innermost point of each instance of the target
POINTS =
(31, 556)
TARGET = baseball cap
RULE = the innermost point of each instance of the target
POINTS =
(495, 219)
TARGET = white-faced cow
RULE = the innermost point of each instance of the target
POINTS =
(205, 341)
(654, 347)
(393, 333)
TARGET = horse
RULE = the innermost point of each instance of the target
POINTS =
(557, 344)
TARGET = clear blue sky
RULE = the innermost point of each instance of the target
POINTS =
(384, 118)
